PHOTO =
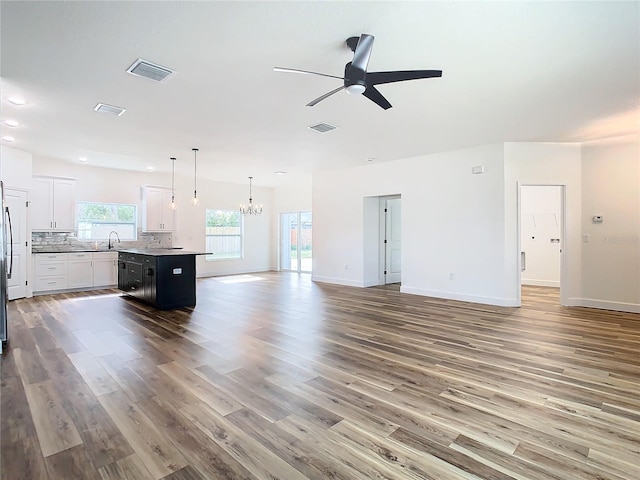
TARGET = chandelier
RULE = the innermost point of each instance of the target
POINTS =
(250, 209)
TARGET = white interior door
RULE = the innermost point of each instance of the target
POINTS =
(393, 257)
(541, 230)
(16, 200)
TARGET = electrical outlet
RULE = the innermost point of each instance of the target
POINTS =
(452, 276)
(346, 266)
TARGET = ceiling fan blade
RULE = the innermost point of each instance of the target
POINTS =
(376, 78)
(375, 96)
(319, 99)
(304, 72)
(363, 52)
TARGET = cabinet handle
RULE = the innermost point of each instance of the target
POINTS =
(51, 268)
(55, 224)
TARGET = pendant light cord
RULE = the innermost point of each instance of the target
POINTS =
(195, 171)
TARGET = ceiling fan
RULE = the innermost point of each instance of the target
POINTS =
(356, 78)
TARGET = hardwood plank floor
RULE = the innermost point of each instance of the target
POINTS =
(272, 376)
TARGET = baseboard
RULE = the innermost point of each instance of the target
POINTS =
(337, 281)
(500, 302)
(607, 305)
(229, 273)
(541, 283)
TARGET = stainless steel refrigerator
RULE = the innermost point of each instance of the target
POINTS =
(6, 265)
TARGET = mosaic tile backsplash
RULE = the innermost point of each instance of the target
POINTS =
(68, 241)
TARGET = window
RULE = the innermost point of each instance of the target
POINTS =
(96, 220)
(224, 234)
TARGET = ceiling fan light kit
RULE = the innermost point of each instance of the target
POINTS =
(358, 81)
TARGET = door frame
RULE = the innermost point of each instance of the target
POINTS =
(298, 268)
(382, 233)
(563, 232)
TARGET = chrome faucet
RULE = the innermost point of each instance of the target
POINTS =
(113, 231)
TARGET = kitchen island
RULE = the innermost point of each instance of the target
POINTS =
(165, 278)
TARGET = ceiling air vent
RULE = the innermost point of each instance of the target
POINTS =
(149, 70)
(110, 109)
(322, 127)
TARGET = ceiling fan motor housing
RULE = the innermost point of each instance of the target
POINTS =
(354, 76)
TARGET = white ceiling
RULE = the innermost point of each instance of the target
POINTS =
(512, 71)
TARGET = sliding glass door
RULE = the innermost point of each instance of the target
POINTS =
(295, 241)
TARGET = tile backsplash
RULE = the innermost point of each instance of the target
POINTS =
(63, 241)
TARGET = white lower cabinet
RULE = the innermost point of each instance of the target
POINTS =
(75, 270)
(79, 270)
(50, 272)
(105, 269)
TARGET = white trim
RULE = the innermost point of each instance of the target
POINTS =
(573, 302)
(236, 272)
(608, 305)
(542, 283)
(501, 302)
(338, 281)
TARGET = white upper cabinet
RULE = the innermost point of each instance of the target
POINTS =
(53, 204)
(157, 215)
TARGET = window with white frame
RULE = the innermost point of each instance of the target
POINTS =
(97, 220)
(223, 234)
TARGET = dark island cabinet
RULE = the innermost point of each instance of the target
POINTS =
(163, 281)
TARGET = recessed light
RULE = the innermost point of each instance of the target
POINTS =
(150, 168)
(83, 159)
(12, 123)
(279, 172)
(8, 138)
(17, 100)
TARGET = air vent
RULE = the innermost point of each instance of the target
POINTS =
(110, 109)
(322, 127)
(149, 70)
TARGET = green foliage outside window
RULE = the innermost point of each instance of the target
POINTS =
(97, 220)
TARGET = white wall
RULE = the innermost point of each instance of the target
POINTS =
(611, 256)
(15, 168)
(452, 223)
(544, 164)
(109, 185)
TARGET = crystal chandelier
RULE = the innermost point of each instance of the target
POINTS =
(250, 209)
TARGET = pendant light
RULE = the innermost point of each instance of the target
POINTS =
(173, 205)
(195, 201)
(250, 209)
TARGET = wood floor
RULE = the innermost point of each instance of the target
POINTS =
(274, 377)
